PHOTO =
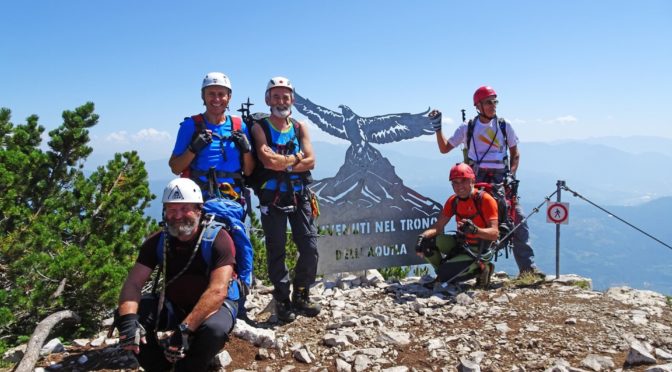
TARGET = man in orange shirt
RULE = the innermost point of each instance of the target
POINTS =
(465, 254)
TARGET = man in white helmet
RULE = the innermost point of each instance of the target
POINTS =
(197, 300)
(284, 150)
(213, 149)
(213, 139)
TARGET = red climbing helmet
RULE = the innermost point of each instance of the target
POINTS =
(461, 170)
(482, 93)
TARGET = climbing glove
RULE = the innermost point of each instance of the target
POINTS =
(241, 141)
(200, 141)
(425, 246)
(130, 330)
(435, 117)
(468, 227)
(178, 345)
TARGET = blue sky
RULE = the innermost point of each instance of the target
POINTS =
(563, 69)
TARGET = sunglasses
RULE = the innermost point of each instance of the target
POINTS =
(493, 102)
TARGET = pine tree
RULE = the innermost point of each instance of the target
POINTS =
(68, 240)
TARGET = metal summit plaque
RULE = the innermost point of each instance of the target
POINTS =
(369, 218)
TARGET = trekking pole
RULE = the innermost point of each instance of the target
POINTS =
(464, 115)
(247, 118)
(245, 110)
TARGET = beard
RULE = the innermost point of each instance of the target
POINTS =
(281, 111)
(183, 227)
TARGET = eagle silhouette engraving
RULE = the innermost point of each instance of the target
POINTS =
(363, 130)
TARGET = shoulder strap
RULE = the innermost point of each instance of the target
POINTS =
(211, 230)
(159, 248)
(209, 235)
(470, 131)
(199, 122)
(477, 202)
(297, 130)
(502, 127)
(236, 122)
(453, 204)
(267, 132)
(236, 125)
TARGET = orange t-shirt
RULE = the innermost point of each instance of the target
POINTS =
(467, 209)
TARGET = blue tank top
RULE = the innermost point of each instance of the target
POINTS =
(284, 142)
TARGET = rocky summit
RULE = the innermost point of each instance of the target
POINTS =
(369, 324)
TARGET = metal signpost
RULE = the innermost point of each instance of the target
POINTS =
(558, 213)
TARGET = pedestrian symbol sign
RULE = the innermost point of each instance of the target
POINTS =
(557, 213)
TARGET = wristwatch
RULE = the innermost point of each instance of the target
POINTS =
(184, 328)
(289, 168)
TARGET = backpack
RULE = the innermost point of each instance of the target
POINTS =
(232, 214)
(470, 137)
(504, 219)
(226, 214)
(199, 121)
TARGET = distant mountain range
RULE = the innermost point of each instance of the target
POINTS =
(597, 245)
(628, 176)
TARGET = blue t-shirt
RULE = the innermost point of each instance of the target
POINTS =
(222, 152)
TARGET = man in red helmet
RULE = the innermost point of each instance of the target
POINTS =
(491, 149)
(463, 255)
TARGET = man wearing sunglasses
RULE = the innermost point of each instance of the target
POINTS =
(491, 148)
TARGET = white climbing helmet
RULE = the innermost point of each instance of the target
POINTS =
(279, 81)
(182, 190)
(216, 78)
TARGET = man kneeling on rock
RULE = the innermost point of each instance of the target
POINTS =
(197, 299)
(464, 255)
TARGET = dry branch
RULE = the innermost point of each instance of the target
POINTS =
(39, 335)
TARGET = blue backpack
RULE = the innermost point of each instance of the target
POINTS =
(231, 213)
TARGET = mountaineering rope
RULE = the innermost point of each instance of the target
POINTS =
(576, 194)
(164, 264)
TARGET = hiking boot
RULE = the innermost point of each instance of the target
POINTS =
(483, 279)
(284, 311)
(302, 303)
(451, 289)
(533, 271)
(430, 284)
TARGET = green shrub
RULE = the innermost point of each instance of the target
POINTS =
(396, 272)
(69, 240)
(583, 284)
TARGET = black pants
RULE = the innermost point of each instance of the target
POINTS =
(206, 342)
(304, 233)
